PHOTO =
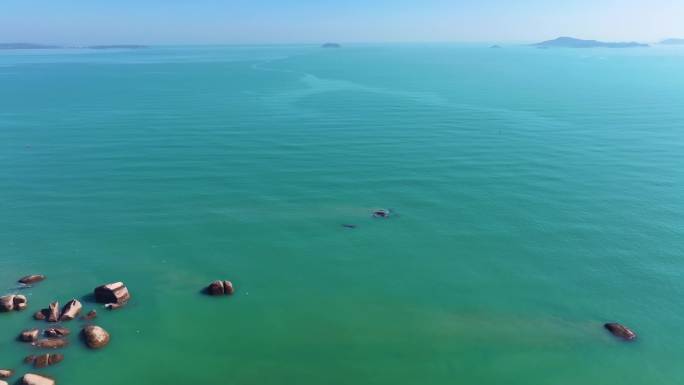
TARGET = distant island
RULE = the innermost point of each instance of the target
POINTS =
(672, 42)
(495, 47)
(331, 45)
(118, 46)
(45, 46)
(26, 46)
(570, 42)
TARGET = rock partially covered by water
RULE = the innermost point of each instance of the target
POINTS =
(382, 213)
(220, 288)
(31, 279)
(45, 360)
(53, 312)
(35, 379)
(6, 303)
(51, 343)
(13, 302)
(95, 337)
(71, 310)
(30, 335)
(114, 306)
(112, 293)
(90, 316)
(621, 331)
(40, 315)
(6, 373)
(57, 332)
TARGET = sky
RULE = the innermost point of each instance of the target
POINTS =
(346, 21)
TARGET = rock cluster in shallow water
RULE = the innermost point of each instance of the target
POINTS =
(114, 296)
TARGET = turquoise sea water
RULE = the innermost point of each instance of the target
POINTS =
(538, 193)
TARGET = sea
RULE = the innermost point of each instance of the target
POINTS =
(534, 195)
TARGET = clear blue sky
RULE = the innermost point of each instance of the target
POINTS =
(313, 21)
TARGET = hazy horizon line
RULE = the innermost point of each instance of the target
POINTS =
(351, 42)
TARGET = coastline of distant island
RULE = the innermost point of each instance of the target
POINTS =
(672, 42)
(331, 45)
(571, 42)
(47, 46)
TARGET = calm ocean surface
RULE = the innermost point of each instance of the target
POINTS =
(539, 194)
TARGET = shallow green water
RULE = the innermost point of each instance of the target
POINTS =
(539, 193)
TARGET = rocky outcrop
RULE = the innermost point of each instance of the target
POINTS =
(30, 335)
(35, 379)
(6, 373)
(6, 303)
(44, 360)
(71, 310)
(217, 288)
(95, 337)
(51, 343)
(31, 279)
(621, 331)
(13, 302)
(57, 332)
(112, 293)
(53, 312)
(382, 213)
(20, 302)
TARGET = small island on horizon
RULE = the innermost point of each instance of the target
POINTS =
(331, 45)
(27, 46)
(571, 42)
(117, 46)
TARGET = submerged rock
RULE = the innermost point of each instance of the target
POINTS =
(620, 331)
(30, 335)
(6, 373)
(112, 293)
(113, 306)
(45, 360)
(95, 337)
(217, 288)
(40, 315)
(35, 379)
(90, 316)
(57, 332)
(31, 279)
(51, 343)
(53, 312)
(71, 310)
